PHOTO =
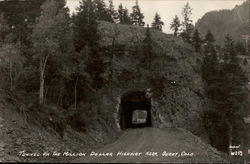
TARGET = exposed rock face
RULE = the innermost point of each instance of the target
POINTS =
(234, 22)
(181, 101)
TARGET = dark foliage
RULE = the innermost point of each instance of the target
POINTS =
(85, 25)
(196, 41)
(157, 23)
(226, 89)
(147, 50)
(136, 15)
(21, 15)
(123, 15)
(175, 25)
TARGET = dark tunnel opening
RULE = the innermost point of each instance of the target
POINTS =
(135, 111)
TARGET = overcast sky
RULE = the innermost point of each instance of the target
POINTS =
(169, 8)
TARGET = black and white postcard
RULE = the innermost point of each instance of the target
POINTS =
(125, 81)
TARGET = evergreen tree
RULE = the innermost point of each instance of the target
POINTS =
(229, 51)
(147, 47)
(102, 12)
(101, 9)
(209, 41)
(226, 89)
(157, 23)
(210, 61)
(85, 25)
(126, 18)
(187, 23)
(210, 68)
(215, 92)
(120, 13)
(209, 38)
(123, 15)
(112, 12)
(196, 41)
(240, 48)
(235, 81)
(87, 37)
(136, 15)
(175, 25)
(95, 67)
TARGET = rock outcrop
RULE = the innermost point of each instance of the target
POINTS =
(176, 74)
(234, 22)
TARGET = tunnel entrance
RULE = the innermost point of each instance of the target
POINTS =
(135, 111)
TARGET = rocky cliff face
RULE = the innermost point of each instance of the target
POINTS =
(234, 22)
(176, 70)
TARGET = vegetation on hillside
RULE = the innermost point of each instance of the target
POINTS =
(225, 86)
(56, 67)
(61, 66)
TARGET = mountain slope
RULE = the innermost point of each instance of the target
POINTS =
(174, 61)
(180, 104)
(19, 134)
(234, 22)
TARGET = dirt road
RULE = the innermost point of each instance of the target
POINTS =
(154, 145)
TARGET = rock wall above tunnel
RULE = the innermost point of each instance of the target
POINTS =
(175, 82)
